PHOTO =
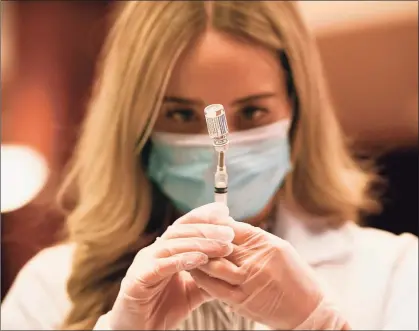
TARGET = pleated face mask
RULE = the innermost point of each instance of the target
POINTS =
(257, 161)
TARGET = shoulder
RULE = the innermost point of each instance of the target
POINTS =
(53, 262)
(383, 246)
(49, 270)
(38, 297)
(384, 253)
(384, 275)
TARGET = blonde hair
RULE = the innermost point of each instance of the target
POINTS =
(113, 197)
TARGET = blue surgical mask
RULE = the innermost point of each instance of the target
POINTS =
(257, 162)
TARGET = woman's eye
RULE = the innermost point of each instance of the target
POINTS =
(252, 113)
(181, 115)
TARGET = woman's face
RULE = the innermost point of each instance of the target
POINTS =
(245, 78)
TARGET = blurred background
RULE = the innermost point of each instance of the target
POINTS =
(48, 55)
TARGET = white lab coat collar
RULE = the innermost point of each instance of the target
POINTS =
(316, 247)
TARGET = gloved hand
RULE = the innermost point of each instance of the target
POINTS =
(157, 293)
(265, 280)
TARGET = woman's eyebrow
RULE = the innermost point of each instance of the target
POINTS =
(253, 97)
(247, 99)
(183, 101)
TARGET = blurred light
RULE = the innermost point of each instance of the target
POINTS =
(327, 16)
(7, 40)
(24, 173)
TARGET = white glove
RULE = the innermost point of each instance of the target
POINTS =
(265, 280)
(157, 293)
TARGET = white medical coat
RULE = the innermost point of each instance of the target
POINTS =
(370, 275)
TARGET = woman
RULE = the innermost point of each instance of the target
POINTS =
(286, 255)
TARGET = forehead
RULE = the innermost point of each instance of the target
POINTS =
(217, 68)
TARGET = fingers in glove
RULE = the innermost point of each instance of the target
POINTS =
(166, 267)
(217, 288)
(243, 231)
(159, 269)
(209, 231)
(196, 295)
(212, 213)
(224, 270)
(210, 247)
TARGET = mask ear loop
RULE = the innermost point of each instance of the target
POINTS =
(145, 154)
(161, 212)
(292, 94)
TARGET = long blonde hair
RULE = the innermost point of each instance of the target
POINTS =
(113, 197)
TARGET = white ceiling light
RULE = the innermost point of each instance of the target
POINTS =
(24, 172)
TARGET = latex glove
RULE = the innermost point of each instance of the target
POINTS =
(157, 293)
(264, 279)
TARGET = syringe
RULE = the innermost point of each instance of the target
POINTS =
(218, 131)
